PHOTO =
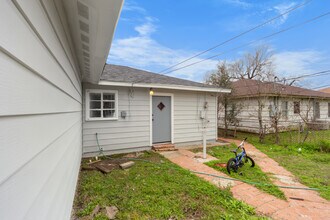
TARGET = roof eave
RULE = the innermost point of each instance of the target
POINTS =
(164, 86)
(92, 39)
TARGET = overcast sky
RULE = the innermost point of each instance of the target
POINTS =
(153, 35)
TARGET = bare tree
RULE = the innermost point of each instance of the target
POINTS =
(232, 116)
(306, 117)
(257, 65)
(275, 112)
(222, 79)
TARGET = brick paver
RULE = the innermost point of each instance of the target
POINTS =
(312, 206)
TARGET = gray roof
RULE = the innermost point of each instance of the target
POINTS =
(117, 73)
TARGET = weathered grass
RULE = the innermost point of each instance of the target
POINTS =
(251, 174)
(311, 165)
(158, 190)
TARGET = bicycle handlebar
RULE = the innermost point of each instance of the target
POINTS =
(242, 143)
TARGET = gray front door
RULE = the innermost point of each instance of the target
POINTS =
(161, 119)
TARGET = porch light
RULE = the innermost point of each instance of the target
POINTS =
(151, 92)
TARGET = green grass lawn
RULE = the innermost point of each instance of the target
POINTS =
(251, 174)
(311, 166)
(157, 190)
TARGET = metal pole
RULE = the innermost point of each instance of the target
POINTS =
(204, 143)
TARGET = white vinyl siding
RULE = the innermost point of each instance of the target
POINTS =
(124, 134)
(249, 114)
(132, 133)
(40, 114)
(188, 125)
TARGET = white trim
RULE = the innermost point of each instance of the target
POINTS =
(172, 114)
(164, 86)
(87, 109)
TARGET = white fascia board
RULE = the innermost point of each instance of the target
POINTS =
(103, 16)
(164, 86)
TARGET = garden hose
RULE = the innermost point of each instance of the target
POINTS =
(100, 148)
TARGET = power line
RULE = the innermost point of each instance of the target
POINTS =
(316, 74)
(324, 86)
(251, 42)
(321, 73)
(239, 35)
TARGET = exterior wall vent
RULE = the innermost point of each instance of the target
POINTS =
(85, 47)
(83, 26)
(83, 10)
(86, 54)
(84, 38)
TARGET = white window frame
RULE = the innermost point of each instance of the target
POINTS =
(285, 110)
(87, 112)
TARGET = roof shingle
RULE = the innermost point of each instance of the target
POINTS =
(326, 90)
(249, 87)
(117, 73)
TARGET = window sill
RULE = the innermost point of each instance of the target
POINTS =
(102, 119)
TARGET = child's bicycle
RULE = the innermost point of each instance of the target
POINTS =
(240, 159)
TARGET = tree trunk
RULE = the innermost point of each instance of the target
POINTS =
(226, 118)
(277, 138)
(261, 129)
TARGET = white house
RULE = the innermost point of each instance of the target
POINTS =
(293, 104)
(52, 54)
(47, 49)
(125, 117)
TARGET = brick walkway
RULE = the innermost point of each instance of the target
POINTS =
(312, 207)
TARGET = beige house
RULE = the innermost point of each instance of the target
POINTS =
(289, 104)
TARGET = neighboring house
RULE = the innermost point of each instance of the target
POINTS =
(47, 49)
(127, 118)
(293, 105)
(326, 90)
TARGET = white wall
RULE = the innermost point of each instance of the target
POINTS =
(40, 114)
(133, 132)
(122, 135)
(249, 113)
(188, 126)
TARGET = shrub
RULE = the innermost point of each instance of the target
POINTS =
(324, 146)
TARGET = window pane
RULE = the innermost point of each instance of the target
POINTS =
(317, 110)
(108, 105)
(284, 109)
(296, 107)
(95, 105)
(95, 96)
(95, 114)
(108, 113)
(108, 96)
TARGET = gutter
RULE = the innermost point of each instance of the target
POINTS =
(164, 86)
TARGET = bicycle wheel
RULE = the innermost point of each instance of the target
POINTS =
(231, 165)
(249, 161)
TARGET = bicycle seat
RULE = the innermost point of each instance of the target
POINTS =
(234, 151)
